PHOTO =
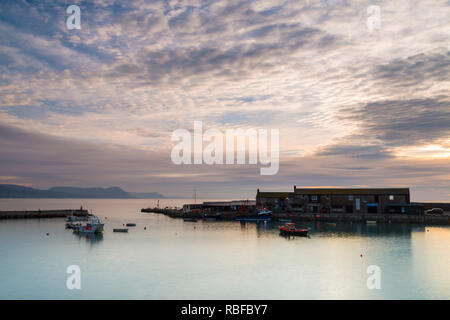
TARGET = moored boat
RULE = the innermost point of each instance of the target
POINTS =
(262, 215)
(290, 229)
(93, 225)
(72, 218)
(211, 215)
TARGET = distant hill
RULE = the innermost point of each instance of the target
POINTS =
(17, 191)
(146, 195)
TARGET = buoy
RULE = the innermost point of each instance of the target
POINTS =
(145, 228)
(123, 224)
(48, 233)
(361, 255)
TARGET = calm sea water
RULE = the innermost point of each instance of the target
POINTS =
(173, 259)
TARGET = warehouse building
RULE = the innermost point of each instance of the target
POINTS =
(339, 200)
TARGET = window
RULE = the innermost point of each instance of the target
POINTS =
(314, 198)
(391, 197)
(350, 198)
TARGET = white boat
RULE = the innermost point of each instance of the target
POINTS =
(73, 218)
(262, 215)
(264, 212)
(93, 225)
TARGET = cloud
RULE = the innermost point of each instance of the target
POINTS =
(418, 71)
(355, 151)
(111, 93)
(402, 122)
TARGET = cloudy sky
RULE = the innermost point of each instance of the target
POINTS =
(355, 106)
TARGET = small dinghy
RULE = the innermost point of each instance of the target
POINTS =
(289, 229)
(120, 230)
(190, 219)
(131, 224)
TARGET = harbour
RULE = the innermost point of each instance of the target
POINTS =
(324, 217)
(369, 205)
(223, 259)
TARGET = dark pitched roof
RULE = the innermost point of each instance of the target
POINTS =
(352, 191)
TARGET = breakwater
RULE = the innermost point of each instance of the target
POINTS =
(326, 217)
(33, 214)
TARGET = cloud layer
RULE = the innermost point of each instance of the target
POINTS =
(361, 105)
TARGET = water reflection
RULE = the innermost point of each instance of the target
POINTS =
(92, 239)
(339, 229)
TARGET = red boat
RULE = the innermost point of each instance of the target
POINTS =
(290, 230)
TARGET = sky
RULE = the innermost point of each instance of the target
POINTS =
(355, 105)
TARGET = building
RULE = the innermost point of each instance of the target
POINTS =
(275, 201)
(192, 208)
(220, 206)
(339, 200)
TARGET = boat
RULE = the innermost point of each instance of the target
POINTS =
(262, 215)
(71, 225)
(289, 229)
(73, 218)
(253, 218)
(131, 224)
(264, 212)
(284, 220)
(120, 230)
(190, 219)
(211, 215)
(93, 225)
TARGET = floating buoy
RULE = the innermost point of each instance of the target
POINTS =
(361, 255)
(123, 225)
(48, 233)
(145, 228)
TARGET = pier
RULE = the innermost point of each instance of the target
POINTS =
(325, 217)
(33, 214)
